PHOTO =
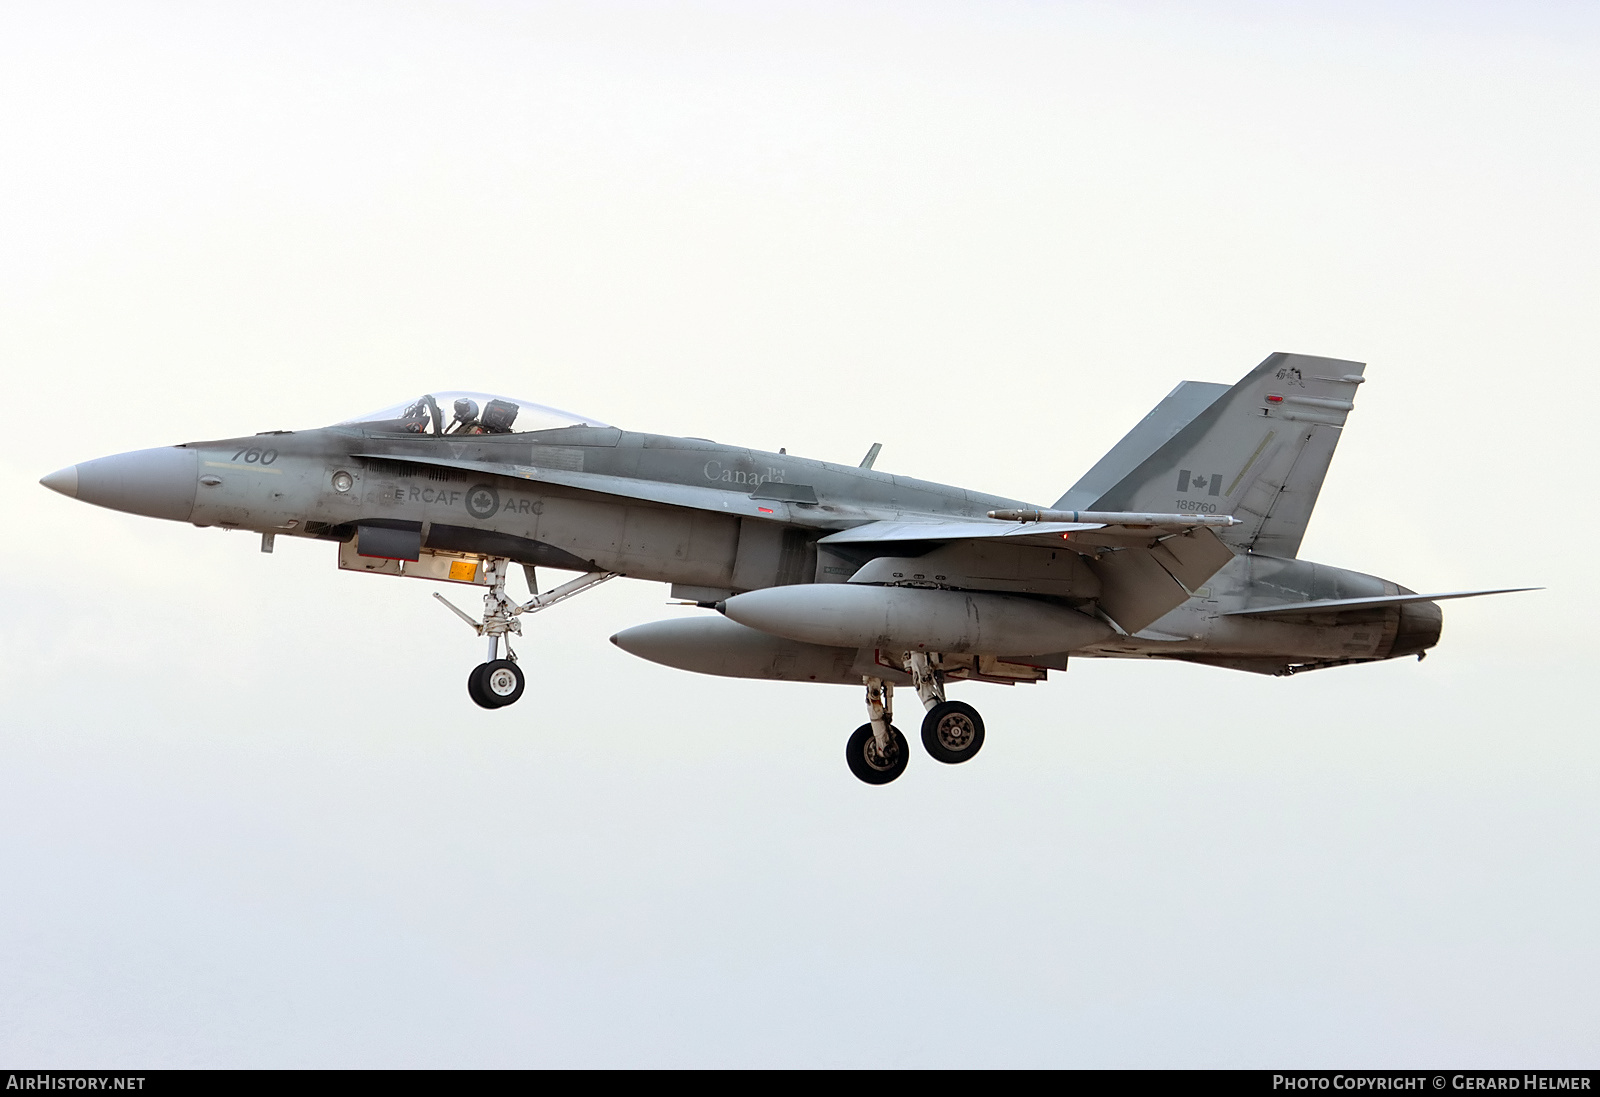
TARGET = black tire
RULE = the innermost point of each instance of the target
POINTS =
(501, 682)
(952, 732)
(861, 752)
(475, 688)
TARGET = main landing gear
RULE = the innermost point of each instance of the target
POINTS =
(877, 752)
(952, 731)
(500, 682)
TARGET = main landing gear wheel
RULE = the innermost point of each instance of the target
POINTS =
(496, 684)
(952, 732)
(871, 765)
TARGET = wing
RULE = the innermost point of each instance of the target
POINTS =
(1042, 527)
(1139, 566)
(895, 530)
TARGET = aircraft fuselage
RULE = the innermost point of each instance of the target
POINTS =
(749, 523)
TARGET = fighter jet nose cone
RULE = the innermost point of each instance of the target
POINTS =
(158, 483)
(614, 636)
(63, 480)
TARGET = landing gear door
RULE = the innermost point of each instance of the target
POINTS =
(446, 567)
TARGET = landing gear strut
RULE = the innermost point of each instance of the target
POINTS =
(876, 752)
(500, 682)
(952, 731)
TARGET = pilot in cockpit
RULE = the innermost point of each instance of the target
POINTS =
(466, 416)
(496, 417)
(424, 416)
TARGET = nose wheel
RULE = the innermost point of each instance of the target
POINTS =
(499, 682)
(496, 684)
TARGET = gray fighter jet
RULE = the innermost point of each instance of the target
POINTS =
(1181, 543)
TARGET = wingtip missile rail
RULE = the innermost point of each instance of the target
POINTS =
(1115, 517)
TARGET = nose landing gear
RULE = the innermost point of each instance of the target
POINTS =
(500, 682)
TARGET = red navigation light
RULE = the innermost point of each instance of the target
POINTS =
(765, 510)
(1274, 398)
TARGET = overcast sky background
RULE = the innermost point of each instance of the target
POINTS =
(248, 815)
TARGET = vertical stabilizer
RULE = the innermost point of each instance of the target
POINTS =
(1167, 418)
(1259, 452)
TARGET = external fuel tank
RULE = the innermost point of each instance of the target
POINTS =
(910, 619)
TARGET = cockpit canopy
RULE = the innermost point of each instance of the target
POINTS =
(469, 413)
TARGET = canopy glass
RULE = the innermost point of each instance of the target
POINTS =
(469, 413)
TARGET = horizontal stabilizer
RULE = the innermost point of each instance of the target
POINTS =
(1350, 605)
(1140, 584)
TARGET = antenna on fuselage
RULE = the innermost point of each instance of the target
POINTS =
(872, 455)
